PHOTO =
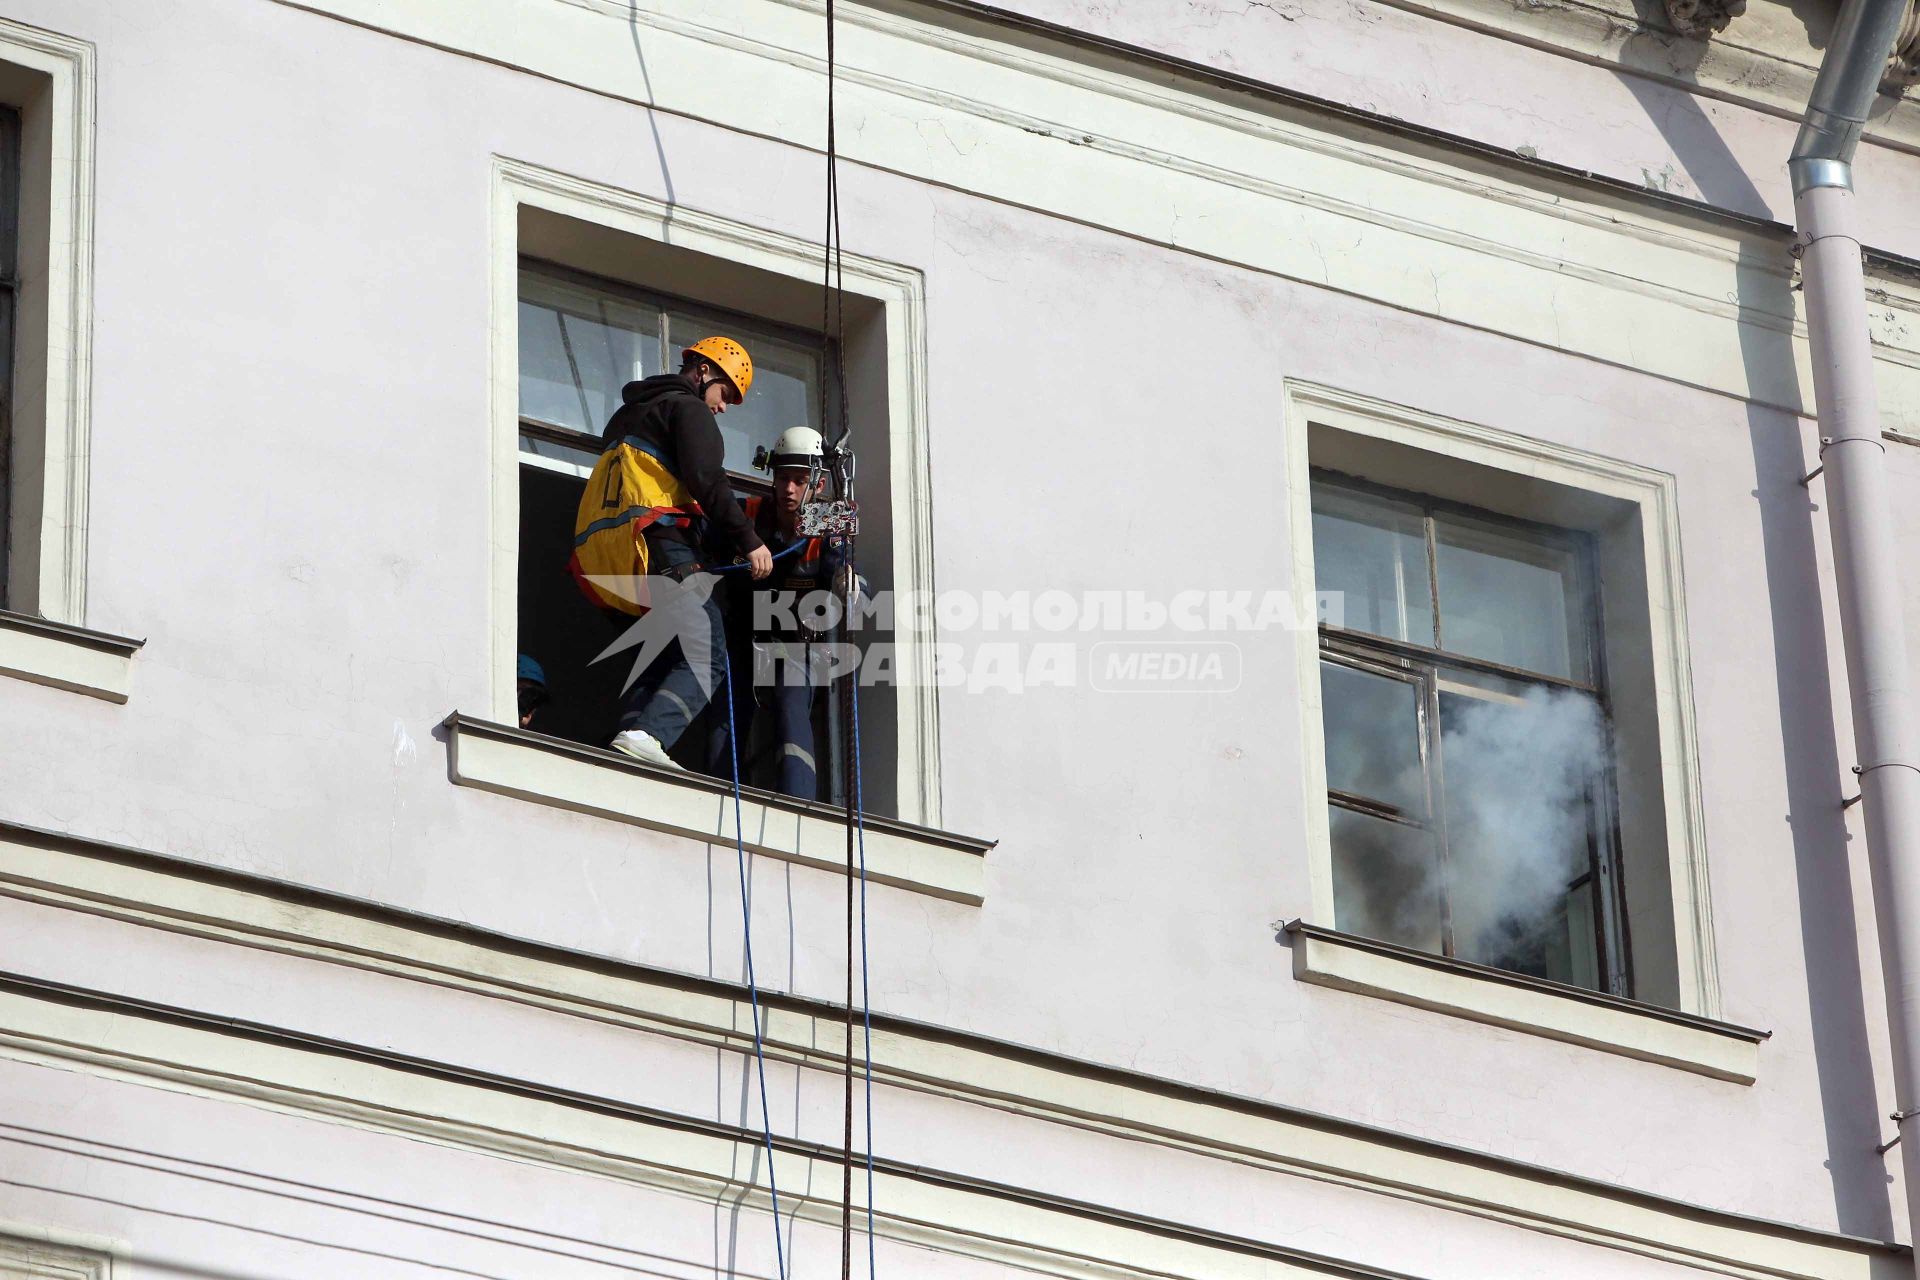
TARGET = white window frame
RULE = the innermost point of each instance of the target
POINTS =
(54, 339)
(1654, 495)
(899, 290)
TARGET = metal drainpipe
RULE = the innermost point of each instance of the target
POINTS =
(1859, 516)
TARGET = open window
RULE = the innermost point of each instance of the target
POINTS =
(581, 340)
(614, 279)
(1498, 724)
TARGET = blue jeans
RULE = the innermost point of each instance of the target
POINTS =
(668, 694)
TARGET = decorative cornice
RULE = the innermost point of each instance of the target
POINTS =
(249, 911)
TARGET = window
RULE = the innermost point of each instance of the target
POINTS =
(582, 340)
(1468, 734)
(46, 329)
(635, 249)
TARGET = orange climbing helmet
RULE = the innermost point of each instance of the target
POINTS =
(730, 358)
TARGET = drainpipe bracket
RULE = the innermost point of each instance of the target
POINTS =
(1864, 769)
(1827, 442)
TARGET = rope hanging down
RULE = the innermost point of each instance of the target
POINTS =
(753, 985)
(833, 322)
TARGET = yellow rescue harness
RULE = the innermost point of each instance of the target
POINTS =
(630, 490)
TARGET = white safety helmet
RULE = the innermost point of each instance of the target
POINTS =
(798, 447)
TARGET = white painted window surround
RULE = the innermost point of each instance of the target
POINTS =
(49, 79)
(1630, 1028)
(28, 1252)
(549, 216)
(64, 657)
(1632, 512)
(551, 771)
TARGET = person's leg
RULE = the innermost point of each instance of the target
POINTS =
(670, 694)
(793, 723)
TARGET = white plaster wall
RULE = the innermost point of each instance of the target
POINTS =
(289, 501)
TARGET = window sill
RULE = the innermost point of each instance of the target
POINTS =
(566, 775)
(65, 657)
(1613, 1024)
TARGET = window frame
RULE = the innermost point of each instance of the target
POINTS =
(49, 79)
(534, 206)
(667, 303)
(1424, 666)
(1633, 512)
(829, 713)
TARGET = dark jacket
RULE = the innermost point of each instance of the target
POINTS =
(662, 411)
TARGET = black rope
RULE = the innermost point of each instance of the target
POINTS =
(833, 324)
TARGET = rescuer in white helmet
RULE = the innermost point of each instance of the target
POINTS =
(785, 673)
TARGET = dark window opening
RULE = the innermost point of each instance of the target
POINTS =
(9, 304)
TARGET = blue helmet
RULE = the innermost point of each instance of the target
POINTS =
(530, 670)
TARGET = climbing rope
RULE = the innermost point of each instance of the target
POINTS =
(753, 985)
(833, 326)
(737, 565)
(857, 811)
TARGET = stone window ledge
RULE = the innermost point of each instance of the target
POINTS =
(552, 771)
(1613, 1024)
(66, 657)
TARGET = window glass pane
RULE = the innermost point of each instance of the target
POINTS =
(578, 347)
(1384, 884)
(786, 382)
(1373, 737)
(1373, 552)
(1517, 782)
(547, 387)
(1511, 599)
(554, 456)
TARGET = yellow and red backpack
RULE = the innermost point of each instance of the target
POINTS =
(631, 489)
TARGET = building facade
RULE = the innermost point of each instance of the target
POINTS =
(1356, 743)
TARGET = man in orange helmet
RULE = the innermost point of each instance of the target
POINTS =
(671, 416)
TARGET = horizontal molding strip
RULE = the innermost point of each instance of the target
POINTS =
(1045, 124)
(265, 1064)
(188, 897)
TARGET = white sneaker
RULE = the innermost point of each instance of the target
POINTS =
(642, 745)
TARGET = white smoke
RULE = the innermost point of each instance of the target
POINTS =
(1519, 777)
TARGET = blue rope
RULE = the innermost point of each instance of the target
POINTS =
(753, 987)
(742, 564)
(866, 1001)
